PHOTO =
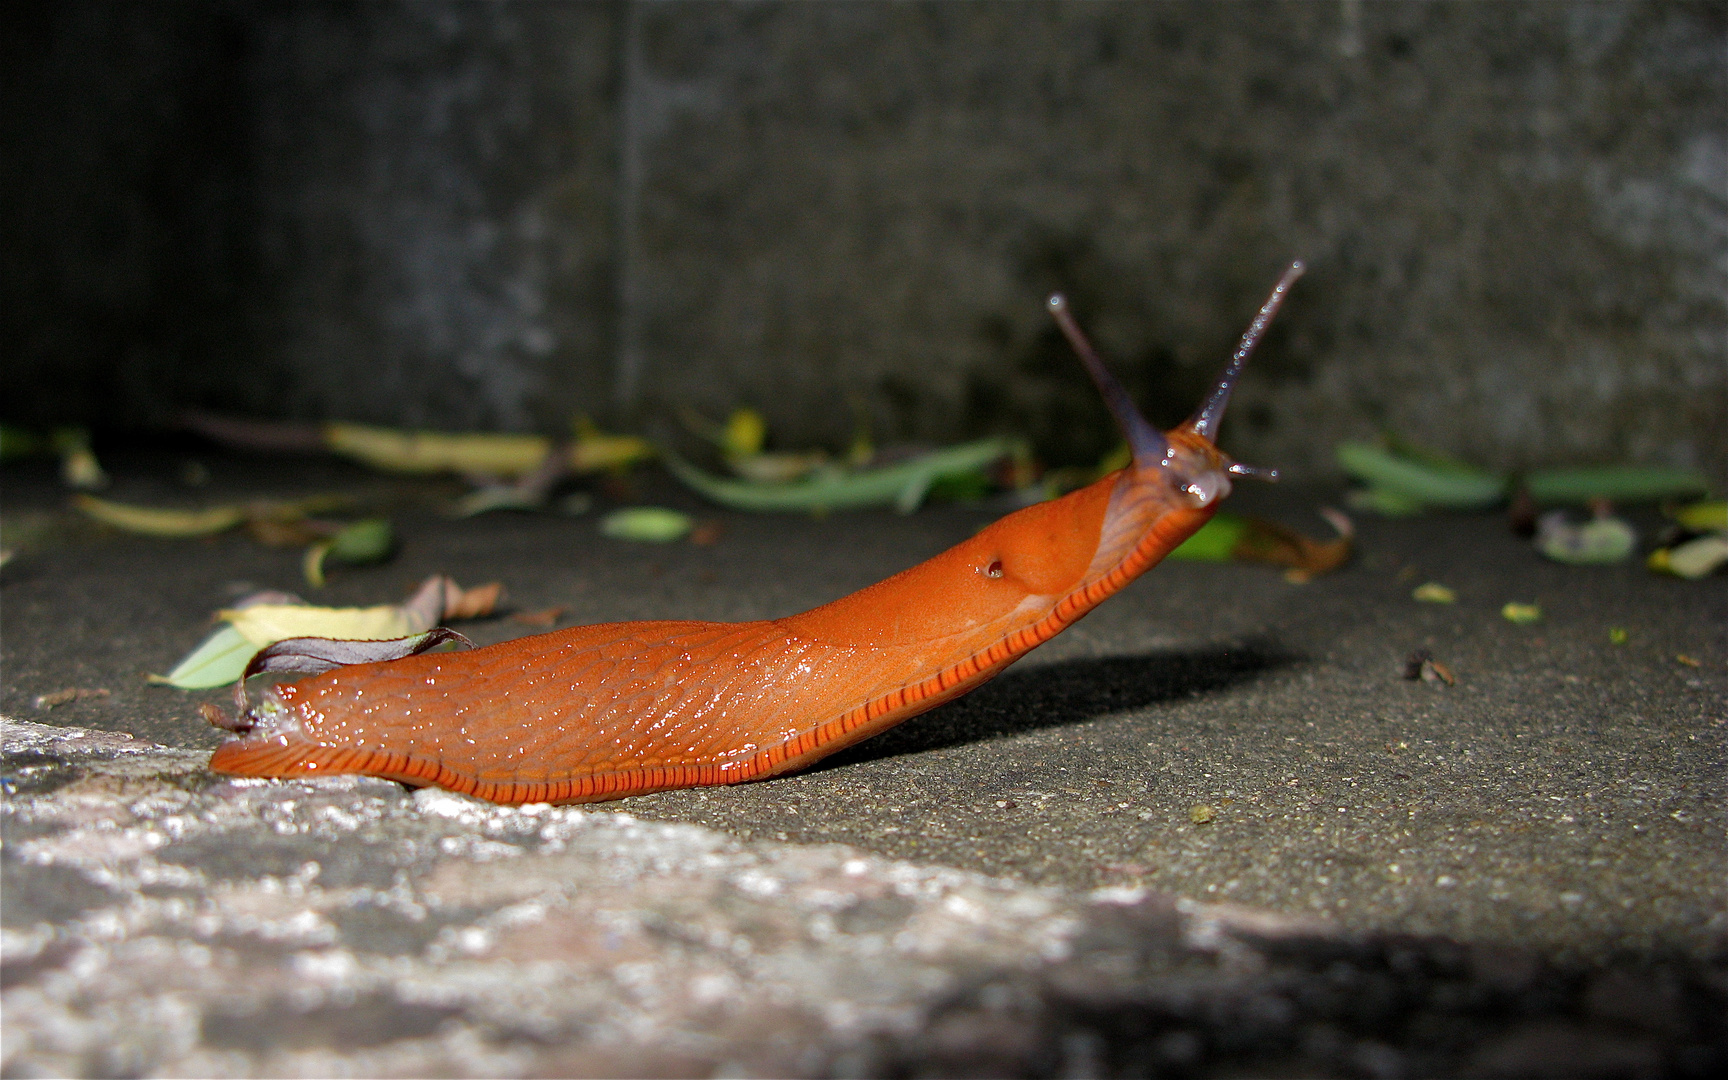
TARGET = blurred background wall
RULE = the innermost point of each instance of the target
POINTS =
(479, 215)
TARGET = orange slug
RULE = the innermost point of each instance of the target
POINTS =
(601, 712)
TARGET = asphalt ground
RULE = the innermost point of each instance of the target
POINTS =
(1564, 796)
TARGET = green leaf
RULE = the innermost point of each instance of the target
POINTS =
(1433, 483)
(1522, 614)
(912, 495)
(1621, 483)
(650, 524)
(364, 541)
(902, 485)
(217, 661)
(1384, 501)
(960, 487)
(1214, 541)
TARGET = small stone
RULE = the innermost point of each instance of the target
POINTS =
(1201, 814)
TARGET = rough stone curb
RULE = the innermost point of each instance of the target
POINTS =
(160, 920)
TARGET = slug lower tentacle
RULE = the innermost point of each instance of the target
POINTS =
(600, 712)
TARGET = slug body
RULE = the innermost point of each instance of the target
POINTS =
(616, 709)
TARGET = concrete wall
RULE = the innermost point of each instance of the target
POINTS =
(436, 216)
(478, 215)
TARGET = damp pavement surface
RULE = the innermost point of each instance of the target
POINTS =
(1210, 829)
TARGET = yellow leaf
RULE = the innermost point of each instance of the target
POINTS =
(1704, 516)
(433, 451)
(81, 470)
(1698, 558)
(594, 451)
(651, 524)
(265, 624)
(745, 433)
(155, 521)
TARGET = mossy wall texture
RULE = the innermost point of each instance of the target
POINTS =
(477, 215)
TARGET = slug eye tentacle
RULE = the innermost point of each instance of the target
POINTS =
(1147, 442)
(1253, 472)
(1205, 422)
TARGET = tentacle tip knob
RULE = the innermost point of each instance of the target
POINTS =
(1057, 302)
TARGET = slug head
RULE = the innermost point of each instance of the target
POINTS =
(311, 656)
(1187, 458)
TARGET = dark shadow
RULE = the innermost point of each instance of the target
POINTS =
(1054, 695)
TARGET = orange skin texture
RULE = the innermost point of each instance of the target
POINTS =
(616, 709)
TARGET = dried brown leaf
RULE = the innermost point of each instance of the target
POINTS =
(475, 603)
(67, 696)
(1269, 542)
(547, 617)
